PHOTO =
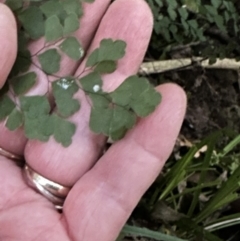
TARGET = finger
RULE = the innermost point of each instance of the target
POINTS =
(66, 166)
(25, 214)
(15, 141)
(137, 38)
(8, 42)
(11, 183)
(108, 193)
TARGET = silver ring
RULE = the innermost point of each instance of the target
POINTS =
(53, 191)
(10, 155)
(17, 158)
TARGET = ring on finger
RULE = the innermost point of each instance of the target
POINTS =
(53, 191)
(17, 158)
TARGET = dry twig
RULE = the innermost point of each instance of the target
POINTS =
(176, 64)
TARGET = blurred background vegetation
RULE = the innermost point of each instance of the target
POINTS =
(196, 197)
(209, 29)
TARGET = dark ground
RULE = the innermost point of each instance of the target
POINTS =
(213, 101)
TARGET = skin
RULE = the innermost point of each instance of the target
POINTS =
(104, 192)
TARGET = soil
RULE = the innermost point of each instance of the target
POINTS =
(213, 101)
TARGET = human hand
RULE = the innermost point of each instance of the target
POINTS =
(104, 192)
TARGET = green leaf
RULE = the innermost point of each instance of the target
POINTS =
(4, 90)
(91, 83)
(6, 107)
(44, 126)
(211, 10)
(23, 83)
(63, 91)
(100, 120)
(32, 21)
(72, 6)
(122, 121)
(183, 13)
(109, 50)
(88, 1)
(192, 5)
(113, 122)
(63, 130)
(13, 4)
(216, 3)
(22, 40)
(50, 61)
(138, 94)
(193, 23)
(65, 86)
(230, 6)
(35, 106)
(53, 28)
(100, 100)
(40, 128)
(159, 3)
(72, 48)
(212, 60)
(220, 23)
(37, 122)
(173, 4)
(185, 25)
(109, 120)
(67, 106)
(71, 24)
(146, 103)
(22, 63)
(15, 120)
(172, 13)
(51, 8)
(106, 67)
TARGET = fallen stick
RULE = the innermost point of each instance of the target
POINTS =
(175, 64)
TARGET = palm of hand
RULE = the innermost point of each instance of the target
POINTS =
(103, 193)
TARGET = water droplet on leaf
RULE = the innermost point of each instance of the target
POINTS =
(96, 88)
(65, 83)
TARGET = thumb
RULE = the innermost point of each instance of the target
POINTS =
(8, 42)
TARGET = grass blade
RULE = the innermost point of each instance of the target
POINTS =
(230, 146)
(178, 171)
(143, 232)
(206, 163)
(224, 222)
(224, 195)
(199, 232)
(120, 237)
